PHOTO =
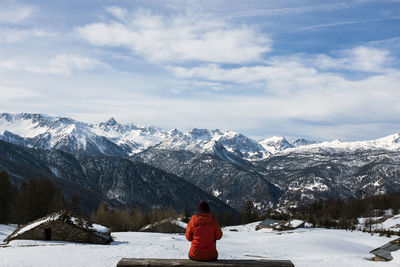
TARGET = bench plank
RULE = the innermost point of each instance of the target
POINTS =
(130, 262)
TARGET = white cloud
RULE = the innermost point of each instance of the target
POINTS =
(298, 9)
(117, 12)
(361, 58)
(278, 77)
(8, 65)
(62, 64)
(178, 38)
(14, 13)
(286, 75)
(16, 35)
(65, 64)
(7, 93)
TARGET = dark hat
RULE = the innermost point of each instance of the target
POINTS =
(203, 207)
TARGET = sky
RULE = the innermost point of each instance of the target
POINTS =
(321, 70)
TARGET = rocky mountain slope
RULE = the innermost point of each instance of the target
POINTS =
(116, 181)
(228, 165)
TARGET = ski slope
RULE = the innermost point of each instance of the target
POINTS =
(304, 247)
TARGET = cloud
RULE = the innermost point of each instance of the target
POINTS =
(344, 23)
(289, 74)
(14, 13)
(117, 12)
(361, 58)
(62, 64)
(8, 93)
(180, 38)
(281, 77)
(17, 35)
(65, 64)
(300, 9)
(8, 65)
(296, 7)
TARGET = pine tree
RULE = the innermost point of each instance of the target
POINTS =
(35, 199)
(5, 196)
(75, 205)
(249, 213)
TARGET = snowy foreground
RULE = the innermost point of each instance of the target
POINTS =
(304, 247)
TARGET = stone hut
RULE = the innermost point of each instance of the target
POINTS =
(63, 226)
(383, 253)
(268, 223)
(166, 226)
(289, 225)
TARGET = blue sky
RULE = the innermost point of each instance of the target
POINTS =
(316, 69)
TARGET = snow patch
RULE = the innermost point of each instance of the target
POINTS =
(216, 193)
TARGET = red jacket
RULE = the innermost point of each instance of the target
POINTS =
(203, 231)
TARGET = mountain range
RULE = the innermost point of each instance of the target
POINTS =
(127, 164)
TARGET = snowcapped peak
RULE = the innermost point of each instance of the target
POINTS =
(64, 120)
(303, 142)
(174, 132)
(5, 116)
(275, 139)
(388, 142)
(391, 142)
(201, 134)
(34, 117)
(275, 143)
(217, 132)
(394, 138)
(111, 121)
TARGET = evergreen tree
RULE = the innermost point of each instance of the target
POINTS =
(249, 213)
(75, 205)
(35, 199)
(5, 196)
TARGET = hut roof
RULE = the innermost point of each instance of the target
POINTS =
(384, 251)
(65, 217)
(177, 222)
(269, 222)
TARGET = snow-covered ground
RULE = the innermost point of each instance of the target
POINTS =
(304, 247)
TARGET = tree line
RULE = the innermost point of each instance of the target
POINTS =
(29, 201)
(344, 214)
(120, 220)
(36, 198)
(341, 214)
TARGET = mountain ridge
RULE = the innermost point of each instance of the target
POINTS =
(117, 182)
(229, 165)
(111, 138)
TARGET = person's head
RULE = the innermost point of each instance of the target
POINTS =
(203, 207)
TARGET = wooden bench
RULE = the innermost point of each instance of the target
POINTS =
(128, 262)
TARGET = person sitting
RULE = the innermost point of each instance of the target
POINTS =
(203, 231)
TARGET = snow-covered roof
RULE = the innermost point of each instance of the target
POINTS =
(177, 222)
(35, 224)
(80, 222)
(269, 222)
(295, 223)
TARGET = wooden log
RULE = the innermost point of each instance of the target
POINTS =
(130, 262)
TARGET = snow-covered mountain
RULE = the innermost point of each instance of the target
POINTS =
(111, 138)
(104, 139)
(275, 144)
(226, 164)
(390, 143)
